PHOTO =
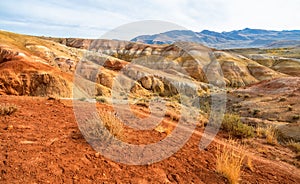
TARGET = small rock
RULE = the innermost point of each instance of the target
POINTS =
(10, 127)
(97, 155)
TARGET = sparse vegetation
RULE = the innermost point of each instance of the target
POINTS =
(295, 146)
(230, 160)
(247, 96)
(269, 133)
(233, 125)
(296, 117)
(255, 112)
(7, 109)
(282, 99)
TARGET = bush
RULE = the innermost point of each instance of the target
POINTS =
(230, 160)
(82, 99)
(233, 125)
(7, 109)
(296, 117)
(282, 99)
(101, 99)
(256, 111)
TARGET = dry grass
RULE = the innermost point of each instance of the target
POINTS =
(230, 160)
(271, 135)
(260, 132)
(104, 130)
(249, 163)
(295, 146)
(112, 123)
(7, 109)
(173, 115)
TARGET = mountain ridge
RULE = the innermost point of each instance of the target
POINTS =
(245, 38)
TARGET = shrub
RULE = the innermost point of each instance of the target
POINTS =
(256, 111)
(282, 99)
(247, 96)
(82, 99)
(7, 109)
(101, 99)
(233, 125)
(230, 160)
(296, 117)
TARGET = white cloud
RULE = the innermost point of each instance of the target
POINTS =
(91, 18)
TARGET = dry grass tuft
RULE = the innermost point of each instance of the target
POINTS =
(109, 127)
(230, 160)
(249, 163)
(7, 109)
(260, 131)
(112, 123)
(271, 135)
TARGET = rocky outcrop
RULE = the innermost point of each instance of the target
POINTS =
(287, 66)
(7, 54)
(34, 84)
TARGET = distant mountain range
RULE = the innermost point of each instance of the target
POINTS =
(246, 38)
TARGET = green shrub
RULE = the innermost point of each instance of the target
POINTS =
(233, 125)
(82, 99)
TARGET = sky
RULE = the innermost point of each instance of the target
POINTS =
(96, 18)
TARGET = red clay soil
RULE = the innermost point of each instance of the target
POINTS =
(41, 143)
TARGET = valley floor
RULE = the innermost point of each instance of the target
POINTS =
(41, 143)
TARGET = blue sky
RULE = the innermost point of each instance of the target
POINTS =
(93, 18)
